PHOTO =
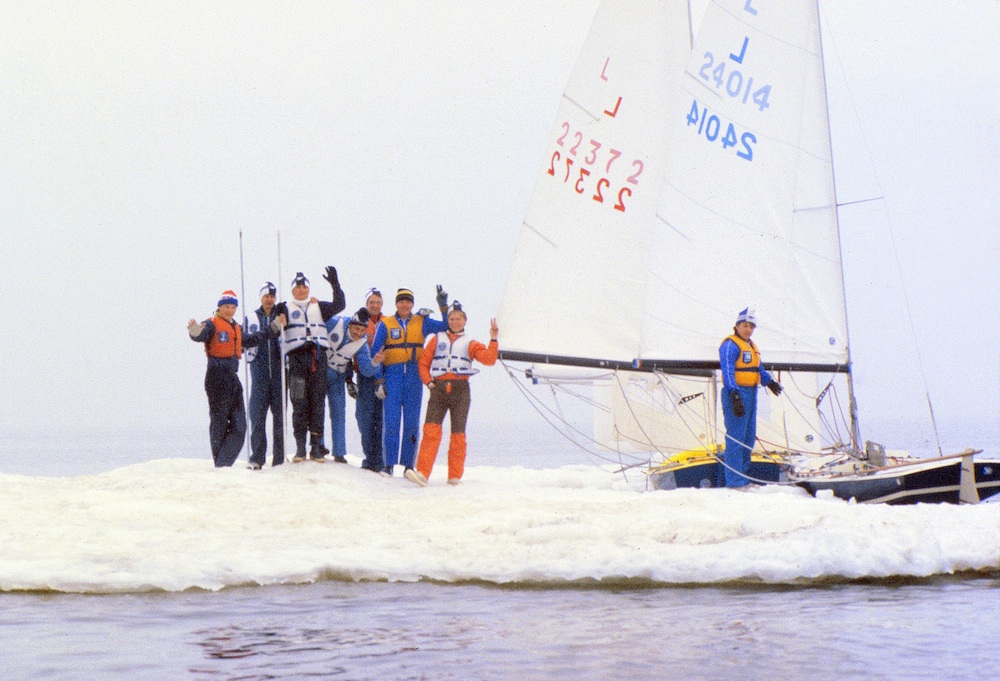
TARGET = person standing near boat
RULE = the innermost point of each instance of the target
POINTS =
(742, 374)
(368, 409)
(265, 384)
(402, 338)
(348, 348)
(224, 341)
(305, 342)
(445, 368)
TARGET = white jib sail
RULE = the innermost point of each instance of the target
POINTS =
(748, 213)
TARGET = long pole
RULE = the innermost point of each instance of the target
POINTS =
(281, 346)
(246, 369)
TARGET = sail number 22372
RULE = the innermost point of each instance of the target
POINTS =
(590, 168)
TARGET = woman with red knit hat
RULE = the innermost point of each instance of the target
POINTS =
(224, 343)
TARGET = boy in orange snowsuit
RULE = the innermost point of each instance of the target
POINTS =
(445, 368)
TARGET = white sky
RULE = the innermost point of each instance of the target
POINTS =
(400, 141)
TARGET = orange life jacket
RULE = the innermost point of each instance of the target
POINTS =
(372, 325)
(747, 367)
(227, 341)
(403, 345)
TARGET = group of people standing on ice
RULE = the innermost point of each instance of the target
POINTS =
(302, 347)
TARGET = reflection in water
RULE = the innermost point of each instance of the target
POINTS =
(427, 631)
(290, 651)
(334, 630)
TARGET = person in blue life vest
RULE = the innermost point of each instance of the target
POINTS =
(304, 342)
(224, 342)
(401, 336)
(368, 408)
(742, 374)
(265, 384)
(348, 347)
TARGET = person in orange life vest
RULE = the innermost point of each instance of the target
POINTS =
(742, 373)
(304, 342)
(402, 338)
(445, 368)
(368, 410)
(224, 342)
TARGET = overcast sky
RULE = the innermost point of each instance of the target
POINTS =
(400, 142)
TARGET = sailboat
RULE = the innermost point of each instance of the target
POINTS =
(690, 171)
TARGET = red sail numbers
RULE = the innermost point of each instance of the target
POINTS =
(594, 170)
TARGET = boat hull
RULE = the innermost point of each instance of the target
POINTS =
(939, 482)
(927, 482)
(706, 471)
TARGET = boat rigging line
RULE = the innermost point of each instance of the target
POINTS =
(540, 408)
(537, 405)
(892, 238)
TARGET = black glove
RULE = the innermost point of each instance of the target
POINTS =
(352, 389)
(442, 298)
(775, 387)
(738, 408)
(331, 276)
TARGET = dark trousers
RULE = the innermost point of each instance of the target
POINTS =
(265, 393)
(368, 412)
(227, 419)
(450, 396)
(307, 391)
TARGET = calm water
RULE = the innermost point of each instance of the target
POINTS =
(940, 629)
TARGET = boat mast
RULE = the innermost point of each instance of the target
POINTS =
(853, 405)
(690, 27)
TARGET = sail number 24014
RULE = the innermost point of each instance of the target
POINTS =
(587, 167)
(710, 126)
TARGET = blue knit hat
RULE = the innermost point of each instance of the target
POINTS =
(228, 298)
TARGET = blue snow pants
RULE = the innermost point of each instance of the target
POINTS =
(336, 395)
(404, 393)
(368, 412)
(741, 434)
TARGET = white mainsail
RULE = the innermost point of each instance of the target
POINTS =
(579, 277)
(720, 156)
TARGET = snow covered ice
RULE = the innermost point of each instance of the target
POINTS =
(174, 524)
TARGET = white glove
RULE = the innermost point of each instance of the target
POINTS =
(380, 391)
(424, 312)
(195, 329)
